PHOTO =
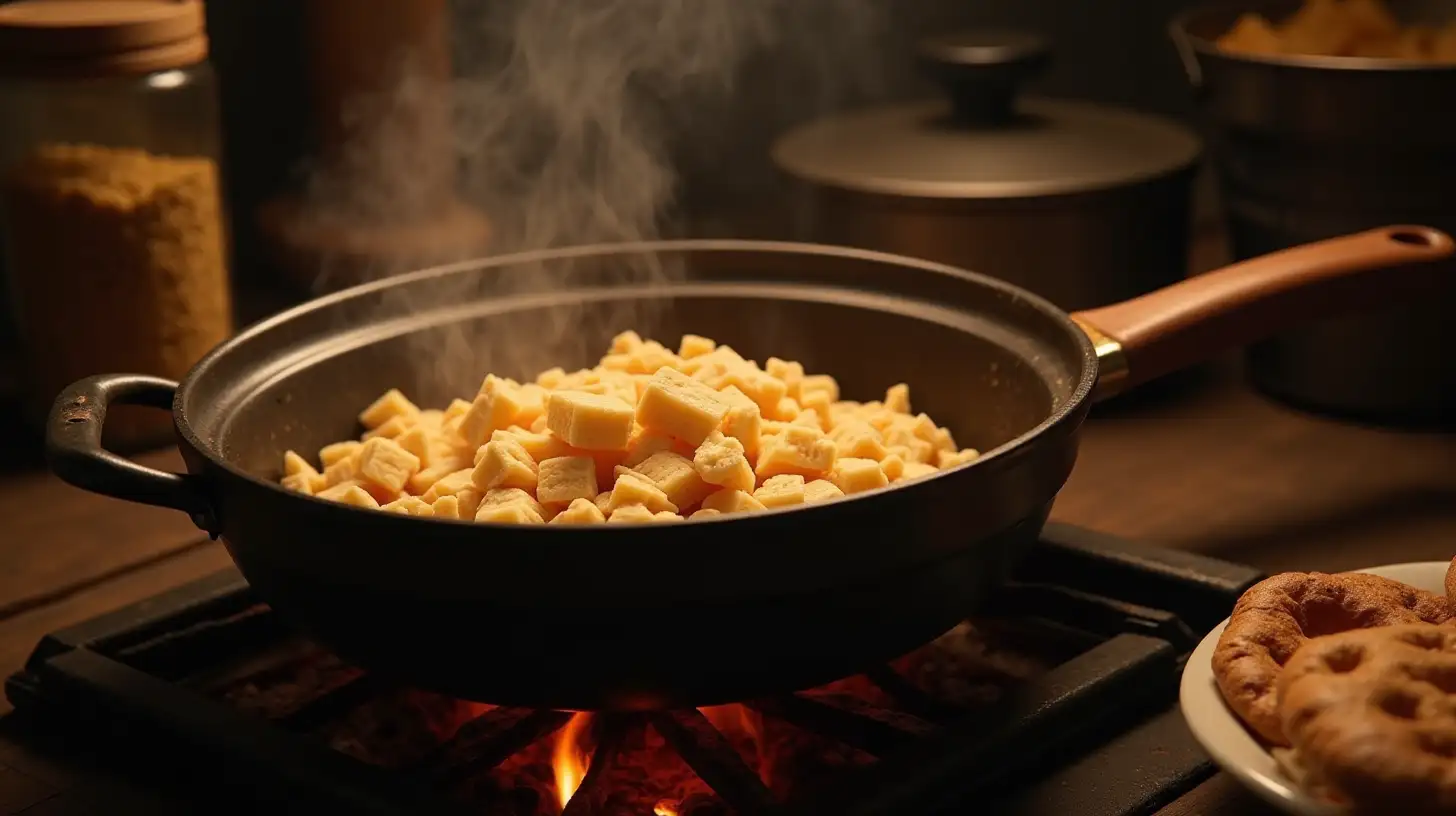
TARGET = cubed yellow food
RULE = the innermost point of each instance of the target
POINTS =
(819, 384)
(732, 501)
(299, 475)
(392, 405)
(821, 490)
(631, 514)
(410, 506)
(797, 450)
(857, 439)
(497, 406)
(589, 421)
(950, 459)
(566, 480)
(386, 465)
(351, 494)
(893, 466)
(680, 407)
(790, 373)
(694, 346)
(704, 513)
(448, 507)
(634, 488)
(916, 470)
(721, 461)
(509, 504)
(857, 475)
(504, 463)
(675, 476)
(744, 420)
(333, 454)
(897, 398)
(781, 491)
(391, 429)
(580, 511)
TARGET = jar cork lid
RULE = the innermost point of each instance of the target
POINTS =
(93, 38)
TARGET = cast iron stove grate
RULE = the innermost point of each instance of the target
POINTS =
(1096, 734)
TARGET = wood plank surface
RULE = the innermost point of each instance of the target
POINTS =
(56, 538)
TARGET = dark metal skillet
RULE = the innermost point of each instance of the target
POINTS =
(639, 616)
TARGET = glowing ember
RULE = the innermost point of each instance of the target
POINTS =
(568, 760)
(665, 809)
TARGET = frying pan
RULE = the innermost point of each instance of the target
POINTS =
(644, 616)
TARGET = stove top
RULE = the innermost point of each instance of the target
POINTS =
(1060, 698)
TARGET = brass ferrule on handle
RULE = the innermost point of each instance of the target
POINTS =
(1112, 370)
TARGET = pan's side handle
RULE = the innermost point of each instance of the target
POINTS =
(1144, 338)
(74, 452)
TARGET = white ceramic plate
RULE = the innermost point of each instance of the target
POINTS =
(1223, 735)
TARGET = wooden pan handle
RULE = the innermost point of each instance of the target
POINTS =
(1160, 332)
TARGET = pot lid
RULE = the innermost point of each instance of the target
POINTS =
(984, 141)
(86, 38)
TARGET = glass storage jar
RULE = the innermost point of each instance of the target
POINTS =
(111, 216)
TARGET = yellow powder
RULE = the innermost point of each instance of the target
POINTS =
(117, 263)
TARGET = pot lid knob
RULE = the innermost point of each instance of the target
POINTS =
(981, 70)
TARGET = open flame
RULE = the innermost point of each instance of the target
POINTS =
(568, 760)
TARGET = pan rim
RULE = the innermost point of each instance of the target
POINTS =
(1057, 417)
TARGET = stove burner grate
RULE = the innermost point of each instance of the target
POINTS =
(1099, 726)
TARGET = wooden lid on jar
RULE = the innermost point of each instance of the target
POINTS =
(93, 38)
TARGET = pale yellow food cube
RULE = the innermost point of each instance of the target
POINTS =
(897, 398)
(666, 516)
(541, 445)
(447, 507)
(899, 438)
(633, 488)
(821, 490)
(455, 410)
(797, 449)
(351, 494)
(299, 475)
(631, 514)
(693, 345)
(819, 404)
(337, 452)
(508, 514)
(809, 419)
(916, 470)
(450, 484)
(551, 377)
(893, 466)
(732, 501)
(744, 420)
(417, 440)
(293, 464)
(391, 405)
(949, 459)
(539, 426)
(410, 506)
(721, 461)
(680, 407)
(589, 421)
(644, 443)
(567, 480)
(790, 373)
(427, 477)
(857, 439)
(943, 440)
(344, 470)
(766, 391)
(819, 384)
(787, 409)
(675, 475)
(533, 404)
(391, 429)
(505, 464)
(625, 342)
(497, 406)
(603, 501)
(704, 513)
(383, 463)
(580, 511)
(857, 475)
(781, 491)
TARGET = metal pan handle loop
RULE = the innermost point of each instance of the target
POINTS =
(74, 452)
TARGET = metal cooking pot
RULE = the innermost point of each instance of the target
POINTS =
(630, 616)
(1081, 204)
(1310, 147)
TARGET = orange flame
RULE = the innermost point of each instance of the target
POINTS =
(568, 761)
(665, 809)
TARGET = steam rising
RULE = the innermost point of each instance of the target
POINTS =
(571, 118)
